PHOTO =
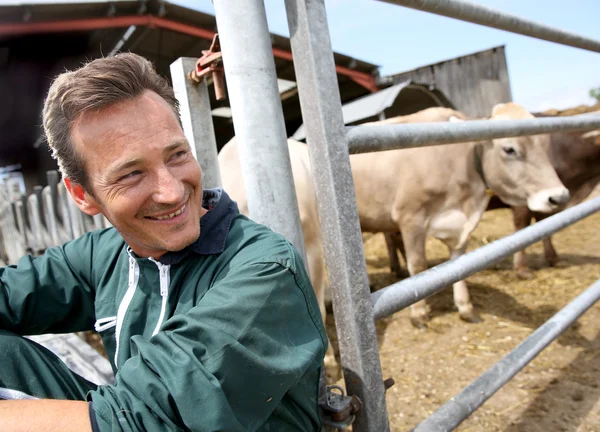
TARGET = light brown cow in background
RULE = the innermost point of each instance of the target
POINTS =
(436, 191)
(441, 191)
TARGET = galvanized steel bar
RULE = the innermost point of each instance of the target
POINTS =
(483, 15)
(408, 291)
(50, 216)
(258, 116)
(453, 412)
(196, 118)
(53, 180)
(364, 139)
(75, 215)
(65, 213)
(338, 216)
(35, 219)
(22, 229)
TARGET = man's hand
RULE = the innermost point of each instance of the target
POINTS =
(45, 415)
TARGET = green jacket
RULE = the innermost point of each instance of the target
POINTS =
(225, 335)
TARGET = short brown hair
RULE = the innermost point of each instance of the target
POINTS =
(98, 84)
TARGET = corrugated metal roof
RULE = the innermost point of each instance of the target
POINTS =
(364, 107)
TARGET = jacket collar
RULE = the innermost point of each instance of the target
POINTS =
(214, 227)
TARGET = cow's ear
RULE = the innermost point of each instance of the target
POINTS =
(592, 135)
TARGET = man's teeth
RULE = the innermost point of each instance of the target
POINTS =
(172, 215)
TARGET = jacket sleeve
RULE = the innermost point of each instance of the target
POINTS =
(227, 363)
(50, 293)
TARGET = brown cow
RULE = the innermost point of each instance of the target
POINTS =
(576, 159)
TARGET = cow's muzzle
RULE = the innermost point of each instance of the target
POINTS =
(548, 200)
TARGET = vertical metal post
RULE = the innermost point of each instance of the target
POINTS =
(35, 221)
(196, 118)
(63, 203)
(53, 180)
(258, 116)
(326, 138)
(20, 212)
(50, 216)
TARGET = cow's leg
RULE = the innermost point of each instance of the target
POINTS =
(549, 252)
(392, 254)
(462, 299)
(400, 247)
(394, 245)
(316, 264)
(414, 242)
(521, 219)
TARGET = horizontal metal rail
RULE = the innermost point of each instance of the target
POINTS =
(365, 139)
(453, 412)
(477, 14)
(408, 291)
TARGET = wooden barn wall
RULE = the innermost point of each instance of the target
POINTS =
(474, 83)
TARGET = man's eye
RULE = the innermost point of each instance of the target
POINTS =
(179, 155)
(129, 175)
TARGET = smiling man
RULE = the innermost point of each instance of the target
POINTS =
(208, 319)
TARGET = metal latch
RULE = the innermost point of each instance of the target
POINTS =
(338, 409)
(211, 65)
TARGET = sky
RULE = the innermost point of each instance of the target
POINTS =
(542, 74)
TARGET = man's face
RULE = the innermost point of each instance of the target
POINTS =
(142, 175)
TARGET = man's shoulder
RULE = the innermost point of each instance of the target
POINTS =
(256, 243)
(99, 242)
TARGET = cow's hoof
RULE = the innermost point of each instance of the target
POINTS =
(470, 317)
(401, 273)
(419, 322)
(558, 263)
(525, 274)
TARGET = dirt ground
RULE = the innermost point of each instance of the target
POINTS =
(558, 391)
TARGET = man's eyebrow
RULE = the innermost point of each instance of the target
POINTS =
(175, 145)
(125, 165)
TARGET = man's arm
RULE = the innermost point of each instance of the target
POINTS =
(44, 415)
(50, 293)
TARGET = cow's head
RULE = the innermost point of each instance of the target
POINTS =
(518, 170)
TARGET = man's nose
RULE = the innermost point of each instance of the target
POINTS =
(169, 189)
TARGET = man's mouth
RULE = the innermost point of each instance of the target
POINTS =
(170, 215)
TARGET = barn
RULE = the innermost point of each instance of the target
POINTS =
(474, 83)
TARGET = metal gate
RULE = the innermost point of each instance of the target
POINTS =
(256, 109)
(48, 218)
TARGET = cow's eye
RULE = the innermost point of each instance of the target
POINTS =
(509, 151)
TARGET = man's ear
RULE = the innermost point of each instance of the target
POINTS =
(84, 200)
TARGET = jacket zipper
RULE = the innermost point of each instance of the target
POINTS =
(105, 323)
(134, 275)
(163, 271)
